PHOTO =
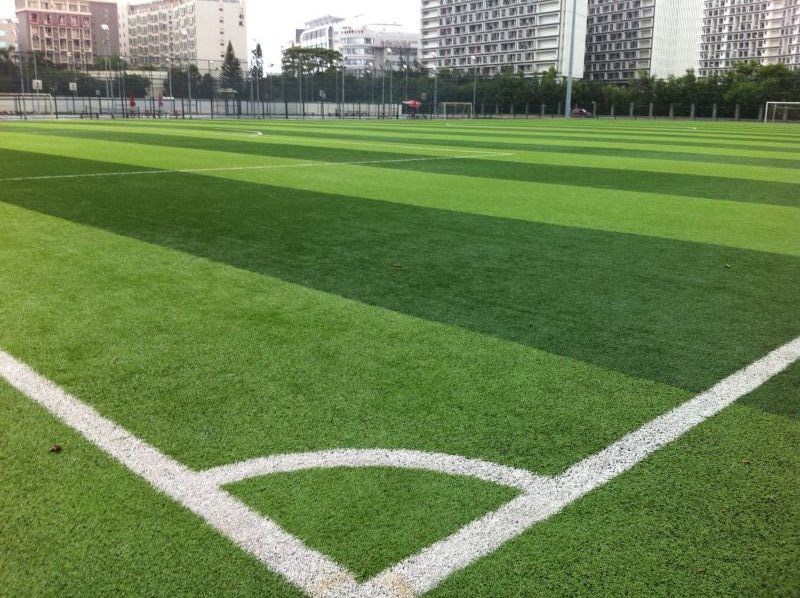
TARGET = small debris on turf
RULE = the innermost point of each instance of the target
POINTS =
(700, 571)
(728, 266)
(745, 462)
(56, 448)
(397, 265)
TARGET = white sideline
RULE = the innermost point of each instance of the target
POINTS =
(317, 574)
(238, 168)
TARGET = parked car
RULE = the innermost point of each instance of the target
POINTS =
(581, 113)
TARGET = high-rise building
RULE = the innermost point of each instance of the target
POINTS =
(69, 32)
(783, 34)
(180, 31)
(105, 27)
(363, 46)
(654, 37)
(525, 36)
(8, 33)
(767, 31)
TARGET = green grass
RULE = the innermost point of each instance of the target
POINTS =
(527, 309)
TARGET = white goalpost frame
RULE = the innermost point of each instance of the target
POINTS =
(443, 109)
(775, 106)
(27, 103)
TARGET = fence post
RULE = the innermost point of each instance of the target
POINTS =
(630, 111)
(714, 111)
(694, 111)
(672, 110)
(761, 113)
(613, 107)
(738, 113)
(541, 114)
(559, 109)
(650, 112)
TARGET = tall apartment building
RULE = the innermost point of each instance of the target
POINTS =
(654, 37)
(68, 32)
(8, 33)
(196, 31)
(363, 47)
(783, 34)
(767, 31)
(527, 36)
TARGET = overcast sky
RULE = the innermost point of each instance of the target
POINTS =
(273, 23)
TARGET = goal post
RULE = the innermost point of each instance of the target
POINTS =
(26, 103)
(455, 109)
(782, 112)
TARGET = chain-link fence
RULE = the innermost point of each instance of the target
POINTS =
(31, 86)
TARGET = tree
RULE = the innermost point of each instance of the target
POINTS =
(257, 67)
(7, 65)
(181, 81)
(231, 75)
(308, 61)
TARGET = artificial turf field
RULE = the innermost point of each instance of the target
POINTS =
(524, 293)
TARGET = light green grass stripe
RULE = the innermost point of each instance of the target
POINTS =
(259, 366)
(760, 227)
(79, 147)
(768, 227)
(687, 136)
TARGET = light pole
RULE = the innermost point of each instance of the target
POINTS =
(22, 108)
(185, 34)
(383, 89)
(105, 28)
(73, 84)
(568, 99)
(435, 90)
(474, 61)
(269, 96)
(391, 79)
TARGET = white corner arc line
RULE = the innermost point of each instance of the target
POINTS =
(502, 475)
(318, 575)
(253, 533)
(242, 168)
(425, 570)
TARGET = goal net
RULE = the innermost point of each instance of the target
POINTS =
(26, 103)
(455, 109)
(782, 112)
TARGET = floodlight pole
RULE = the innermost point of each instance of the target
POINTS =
(474, 86)
(568, 99)
(435, 91)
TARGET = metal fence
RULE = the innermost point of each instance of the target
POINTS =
(32, 87)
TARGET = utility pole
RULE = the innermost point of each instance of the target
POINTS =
(568, 99)
(474, 87)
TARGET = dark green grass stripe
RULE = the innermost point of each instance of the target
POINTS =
(691, 131)
(564, 149)
(653, 308)
(544, 135)
(701, 186)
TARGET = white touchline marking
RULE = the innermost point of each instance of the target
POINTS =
(318, 575)
(238, 168)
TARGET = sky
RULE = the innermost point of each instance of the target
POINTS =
(273, 23)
